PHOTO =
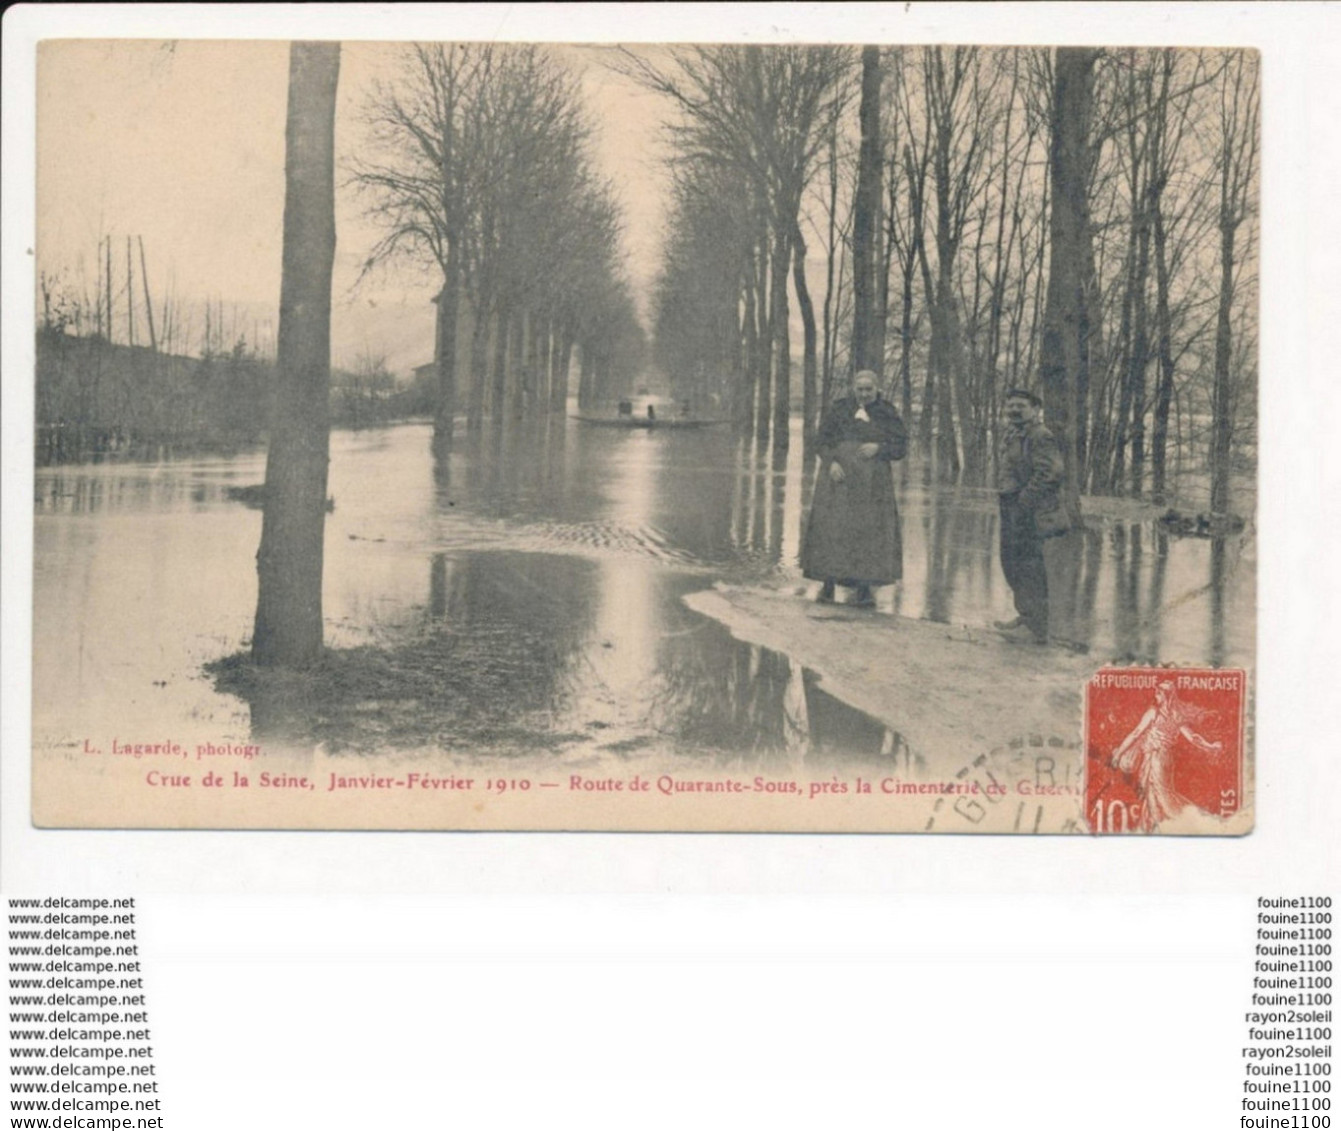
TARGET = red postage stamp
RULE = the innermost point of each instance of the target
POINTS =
(1163, 749)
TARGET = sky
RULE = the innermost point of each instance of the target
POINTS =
(182, 143)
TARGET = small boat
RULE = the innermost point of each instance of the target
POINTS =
(657, 422)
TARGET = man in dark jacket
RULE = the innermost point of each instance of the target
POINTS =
(1029, 477)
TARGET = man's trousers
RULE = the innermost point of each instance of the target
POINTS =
(1022, 563)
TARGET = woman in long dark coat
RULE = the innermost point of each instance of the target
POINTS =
(852, 537)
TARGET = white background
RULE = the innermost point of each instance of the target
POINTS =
(491, 980)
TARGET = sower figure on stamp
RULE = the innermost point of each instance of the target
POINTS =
(1029, 478)
(852, 537)
(1147, 754)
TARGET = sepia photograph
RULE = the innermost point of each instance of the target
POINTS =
(754, 437)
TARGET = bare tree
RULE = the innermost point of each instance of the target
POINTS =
(148, 300)
(1237, 168)
(419, 185)
(868, 346)
(762, 115)
(1064, 358)
(288, 626)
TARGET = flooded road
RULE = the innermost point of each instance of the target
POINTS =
(529, 598)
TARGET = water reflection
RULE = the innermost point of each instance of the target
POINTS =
(1156, 598)
(548, 559)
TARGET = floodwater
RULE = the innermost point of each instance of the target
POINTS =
(547, 562)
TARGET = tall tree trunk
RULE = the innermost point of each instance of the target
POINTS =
(448, 302)
(288, 627)
(1238, 163)
(763, 395)
(1159, 437)
(479, 361)
(831, 253)
(866, 222)
(952, 412)
(563, 344)
(149, 304)
(499, 370)
(782, 339)
(1091, 346)
(745, 389)
(1066, 316)
(1115, 434)
(917, 252)
(810, 372)
(585, 375)
(1064, 353)
(1140, 357)
(1222, 422)
(558, 390)
(97, 264)
(516, 368)
(110, 322)
(528, 347)
(937, 394)
(1122, 424)
(884, 260)
(906, 341)
(130, 297)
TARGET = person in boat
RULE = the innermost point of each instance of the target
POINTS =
(852, 536)
(625, 408)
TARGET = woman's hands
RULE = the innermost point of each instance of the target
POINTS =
(864, 451)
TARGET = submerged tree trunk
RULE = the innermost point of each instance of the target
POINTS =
(499, 370)
(288, 626)
(1064, 353)
(586, 376)
(763, 360)
(558, 387)
(448, 301)
(516, 363)
(479, 362)
(563, 345)
(744, 403)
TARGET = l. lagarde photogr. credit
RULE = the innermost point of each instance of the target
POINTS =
(735, 437)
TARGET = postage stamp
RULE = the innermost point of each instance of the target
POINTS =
(1164, 749)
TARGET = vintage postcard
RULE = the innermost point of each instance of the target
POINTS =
(485, 436)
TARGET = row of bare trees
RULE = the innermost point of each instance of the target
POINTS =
(115, 368)
(752, 125)
(478, 168)
(978, 210)
(116, 307)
